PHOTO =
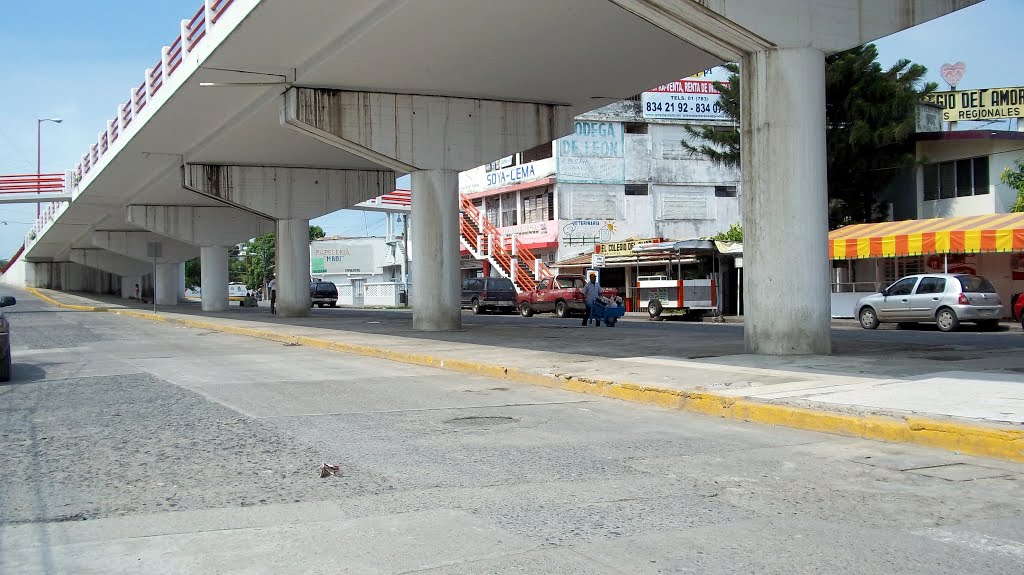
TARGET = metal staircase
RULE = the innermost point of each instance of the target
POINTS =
(505, 253)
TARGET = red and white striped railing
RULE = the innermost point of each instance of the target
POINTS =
(191, 35)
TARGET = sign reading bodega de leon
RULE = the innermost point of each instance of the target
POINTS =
(980, 104)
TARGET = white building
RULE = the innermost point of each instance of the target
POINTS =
(623, 174)
(367, 270)
(950, 212)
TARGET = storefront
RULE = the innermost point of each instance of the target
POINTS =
(868, 257)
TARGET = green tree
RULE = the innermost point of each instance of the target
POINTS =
(733, 234)
(869, 119)
(192, 274)
(1014, 177)
(256, 266)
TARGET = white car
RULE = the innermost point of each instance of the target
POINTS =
(943, 299)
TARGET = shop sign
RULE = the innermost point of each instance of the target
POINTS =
(981, 104)
(482, 179)
(592, 154)
(335, 258)
(597, 261)
(535, 233)
(623, 248)
(684, 100)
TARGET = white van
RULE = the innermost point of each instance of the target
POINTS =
(237, 291)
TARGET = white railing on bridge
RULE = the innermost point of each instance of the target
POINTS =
(192, 33)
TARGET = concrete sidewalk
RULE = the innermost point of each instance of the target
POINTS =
(967, 399)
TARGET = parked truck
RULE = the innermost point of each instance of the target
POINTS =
(561, 294)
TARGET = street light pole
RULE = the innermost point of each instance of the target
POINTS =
(39, 156)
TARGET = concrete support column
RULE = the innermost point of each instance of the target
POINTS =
(165, 284)
(181, 281)
(435, 251)
(292, 270)
(213, 264)
(785, 202)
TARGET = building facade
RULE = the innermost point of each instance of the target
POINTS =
(623, 174)
(957, 176)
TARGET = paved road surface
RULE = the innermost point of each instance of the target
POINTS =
(129, 446)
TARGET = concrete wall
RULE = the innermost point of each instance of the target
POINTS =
(681, 202)
(15, 275)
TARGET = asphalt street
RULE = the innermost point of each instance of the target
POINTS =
(129, 446)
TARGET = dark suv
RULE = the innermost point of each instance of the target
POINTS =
(483, 294)
(5, 340)
(323, 293)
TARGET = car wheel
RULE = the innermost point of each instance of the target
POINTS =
(5, 367)
(654, 309)
(525, 310)
(868, 319)
(334, 304)
(475, 306)
(946, 320)
(610, 322)
(988, 325)
(562, 309)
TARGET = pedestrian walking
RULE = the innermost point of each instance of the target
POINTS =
(272, 286)
(591, 291)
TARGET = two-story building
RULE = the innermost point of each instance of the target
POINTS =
(950, 213)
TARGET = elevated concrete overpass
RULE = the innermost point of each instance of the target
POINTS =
(264, 114)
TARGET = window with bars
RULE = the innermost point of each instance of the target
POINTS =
(538, 206)
(956, 179)
(509, 210)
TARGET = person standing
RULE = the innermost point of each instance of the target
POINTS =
(591, 291)
(272, 286)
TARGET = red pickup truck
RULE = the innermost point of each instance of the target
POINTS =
(561, 294)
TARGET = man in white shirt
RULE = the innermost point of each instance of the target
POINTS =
(591, 291)
(272, 286)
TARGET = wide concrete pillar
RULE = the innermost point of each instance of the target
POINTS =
(213, 264)
(785, 202)
(292, 270)
(435, 251)
(165, 284)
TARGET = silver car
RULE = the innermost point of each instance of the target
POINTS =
(945, 299)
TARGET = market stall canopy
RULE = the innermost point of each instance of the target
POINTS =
(960, 235)
(684, 246)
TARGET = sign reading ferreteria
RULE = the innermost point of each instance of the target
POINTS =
(980, 104)
(623, 248)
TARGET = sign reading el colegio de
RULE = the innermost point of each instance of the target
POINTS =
(980, 104)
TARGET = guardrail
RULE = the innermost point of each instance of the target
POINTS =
(192, 33)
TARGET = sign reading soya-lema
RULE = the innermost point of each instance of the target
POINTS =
(981, 104)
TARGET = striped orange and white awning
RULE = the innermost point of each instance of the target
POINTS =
(961, 235)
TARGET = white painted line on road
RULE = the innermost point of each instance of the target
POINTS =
(975, 541)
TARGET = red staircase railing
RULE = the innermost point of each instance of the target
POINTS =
(500, 248)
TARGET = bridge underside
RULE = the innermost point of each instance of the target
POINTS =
(432, 88)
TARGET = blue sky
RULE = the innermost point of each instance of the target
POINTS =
(77, 61)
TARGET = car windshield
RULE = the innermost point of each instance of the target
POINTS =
(500, 283)
(326, 288)
(976, 284)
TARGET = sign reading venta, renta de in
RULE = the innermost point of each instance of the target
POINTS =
(981, 104)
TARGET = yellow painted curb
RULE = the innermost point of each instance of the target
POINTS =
(50, 300)
(993, 442)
